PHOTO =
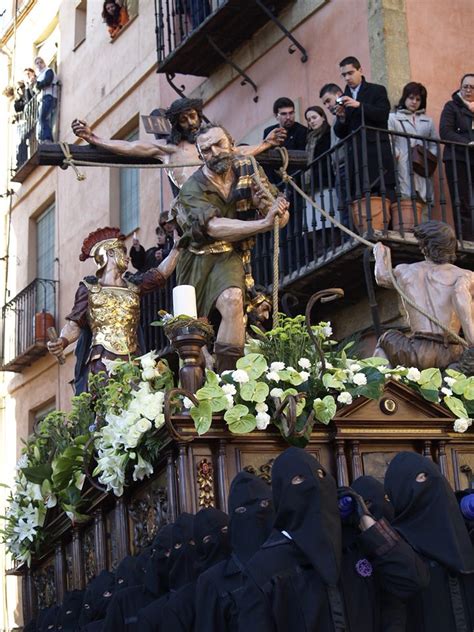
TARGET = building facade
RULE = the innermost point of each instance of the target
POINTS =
(46, 212)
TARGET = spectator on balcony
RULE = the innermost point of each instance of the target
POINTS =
(365, 103)
(318, 177)
(284, 111)
(143, 260)
(457, 124)
(115, 15)
(30, 81)
(46, 84)
(410, 118)
(328, 95)
(198, 10)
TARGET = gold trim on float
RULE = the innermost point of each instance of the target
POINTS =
(381, 431)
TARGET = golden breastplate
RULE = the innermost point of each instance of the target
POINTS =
(114, 315)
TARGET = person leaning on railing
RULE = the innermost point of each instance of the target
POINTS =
(410, 118)
(46, 83)
(457, 124)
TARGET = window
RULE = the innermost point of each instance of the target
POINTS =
(80, 22)
(45, 256)
(129, 195)
(37, 415)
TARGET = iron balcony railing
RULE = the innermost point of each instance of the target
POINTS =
(25, 320)
(364, 196)
(27, 131)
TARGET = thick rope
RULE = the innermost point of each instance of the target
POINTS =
(70, 161)
(288, 179)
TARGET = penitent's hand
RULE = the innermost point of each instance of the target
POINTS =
(81, 129)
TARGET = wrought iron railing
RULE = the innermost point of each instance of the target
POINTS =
(367, 198)
(27, 130)
(25, 320)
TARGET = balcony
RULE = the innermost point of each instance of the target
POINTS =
(25, 321)
(194, 36)
(27, 143)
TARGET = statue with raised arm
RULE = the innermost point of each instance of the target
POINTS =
(185, 116)
(440, 289)
(105, 317)
(212, 211)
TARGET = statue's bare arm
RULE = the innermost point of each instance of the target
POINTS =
(137, 148)
(168, 265)
(221, 228)
(383, 263)
(463, 304)
(274, 139)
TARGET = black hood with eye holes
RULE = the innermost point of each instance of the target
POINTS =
(427, 513)
(211, 525)
(181, 560)
(156, 579)
(94, 605)
(373, 493)
(308, 511)
(70, 610)
(251, 514)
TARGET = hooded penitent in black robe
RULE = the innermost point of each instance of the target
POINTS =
(49, 620)
(96, 600)
(181, 572)
(292, 583)
(68, 618)
(251, 520)
(212, 546)
(359, 589)
(122, 613)
(428, 517)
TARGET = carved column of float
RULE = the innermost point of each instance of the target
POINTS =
(222, 481)
(30, 603)
(185, 502)
(60, 571)
(77, 559)
(171, 485)
(121, 521)
(442, 458)
(100, 541)
(357, 469)
(341, 464)
(427, 449)
(205, 484)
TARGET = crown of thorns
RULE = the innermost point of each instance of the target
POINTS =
(183, 105)
(107, 234)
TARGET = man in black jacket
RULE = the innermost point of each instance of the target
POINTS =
(457, 124)
(365, 103)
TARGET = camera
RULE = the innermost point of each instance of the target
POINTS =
(340, 100)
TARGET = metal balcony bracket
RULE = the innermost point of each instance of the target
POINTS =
(295, 44)
(178, 89)
(246, 79)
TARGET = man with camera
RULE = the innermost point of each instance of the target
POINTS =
(366, 104)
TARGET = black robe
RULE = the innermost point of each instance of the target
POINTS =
(97, 598)
(293, 582)
(68, 618)
(181, 572)
(122, 613)
(219, 588)
(427, 515)
(210, 534)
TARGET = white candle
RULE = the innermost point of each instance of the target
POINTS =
(184, 301)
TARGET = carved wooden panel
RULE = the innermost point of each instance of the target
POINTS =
(375, 463)
(112, 540)
(148, 512)
(45, 585)
(90, 562)
(264, 470)
(463, 466)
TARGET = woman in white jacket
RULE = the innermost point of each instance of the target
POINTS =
(410, 118)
